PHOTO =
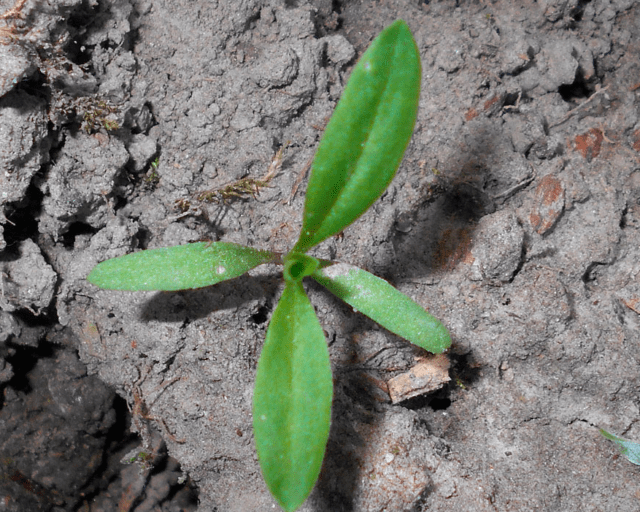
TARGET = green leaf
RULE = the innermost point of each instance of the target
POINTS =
(292, 399)
(381, 302)
(366, 137)
(177, 268)
(629, 449)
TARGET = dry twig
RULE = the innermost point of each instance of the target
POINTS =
(141, 414)
(239, 189)
(574, 110)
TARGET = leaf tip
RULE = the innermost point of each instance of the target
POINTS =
(97, 275)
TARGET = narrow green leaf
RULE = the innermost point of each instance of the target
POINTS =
(292, 399)
(377, 299)
(629, 449)
(177, 268)
(366, 137)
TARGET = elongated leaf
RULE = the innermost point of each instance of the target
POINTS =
(629, 449)
(381, 302)
(292, 399)
(366, 137)
(177, 268)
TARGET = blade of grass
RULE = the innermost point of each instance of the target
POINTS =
(366, 137)
(377, 299)
(177, 268)
(292, 399)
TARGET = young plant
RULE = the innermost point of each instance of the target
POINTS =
(358, 156)
(630, 449)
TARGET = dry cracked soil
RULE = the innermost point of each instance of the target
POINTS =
(514, 218)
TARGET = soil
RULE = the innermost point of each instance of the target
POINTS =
(514, 218)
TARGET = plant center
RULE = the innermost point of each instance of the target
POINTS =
(297, 266)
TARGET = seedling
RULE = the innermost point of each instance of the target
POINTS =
(629, 449)
(358, 156)
(152, 177)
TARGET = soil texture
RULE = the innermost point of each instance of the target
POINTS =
(514, 218)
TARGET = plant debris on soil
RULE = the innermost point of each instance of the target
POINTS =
(514, 218)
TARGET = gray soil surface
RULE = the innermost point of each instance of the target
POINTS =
(514, 218)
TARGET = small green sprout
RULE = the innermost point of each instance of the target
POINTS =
(629, 449)
(460, 383)
(144, 460)
(358, 156)
(152, 177)
(140, 456)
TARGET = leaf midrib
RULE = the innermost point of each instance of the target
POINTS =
(374, 118)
